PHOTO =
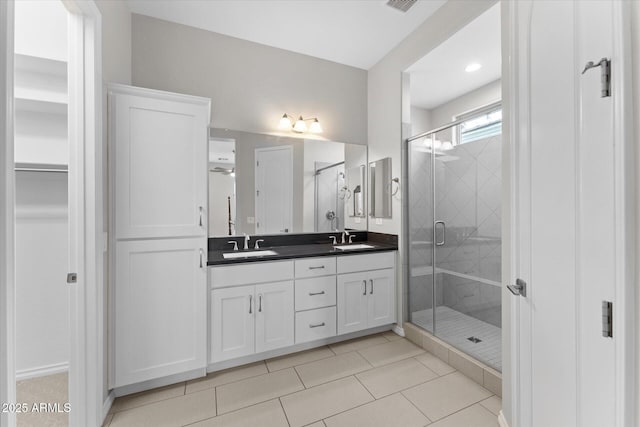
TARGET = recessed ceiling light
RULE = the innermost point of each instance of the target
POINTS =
(472, 67)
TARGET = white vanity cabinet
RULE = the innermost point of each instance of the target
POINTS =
(315, 298)
(248, 316)
(366, 291)
(158, 235)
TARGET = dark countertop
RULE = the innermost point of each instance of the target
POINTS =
(298, 251)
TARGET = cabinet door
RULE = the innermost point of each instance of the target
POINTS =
(232, 323)
(159, 148)
(381, 297)
(160, 300)
(274, 316)
(352, 302)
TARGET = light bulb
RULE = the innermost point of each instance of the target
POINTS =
(285, 123)
(315, 127)
(300, 125)
(446, 146)
(472, 67)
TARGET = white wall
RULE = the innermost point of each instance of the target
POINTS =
(420, 120)
(42, 294)
(250, 85)
(385, 84)
(484, 95)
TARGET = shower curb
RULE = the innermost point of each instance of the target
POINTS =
(477, 371)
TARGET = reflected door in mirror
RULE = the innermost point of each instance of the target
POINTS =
(274, 190)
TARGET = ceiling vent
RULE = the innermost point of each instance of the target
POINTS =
(401, 5)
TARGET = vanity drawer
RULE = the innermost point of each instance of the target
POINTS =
(315, 292)
(315, 324)
(315, 267)
(366, 262)
(249, 273)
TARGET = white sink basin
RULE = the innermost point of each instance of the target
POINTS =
(253, 254)
(354, 247)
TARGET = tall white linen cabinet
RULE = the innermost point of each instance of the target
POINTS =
(158, 235)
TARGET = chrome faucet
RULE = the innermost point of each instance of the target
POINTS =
(234, 243)
(345, 232)
(246, 241)
(257, 245)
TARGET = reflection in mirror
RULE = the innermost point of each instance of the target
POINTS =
(272, 184)
(380, 181)
(222, 186)
(355, 191)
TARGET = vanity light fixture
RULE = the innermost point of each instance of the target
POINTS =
(299, 126)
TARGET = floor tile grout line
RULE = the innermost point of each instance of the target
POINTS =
(286, 417)
(235, 381)
(416, 406)
(292, 354)
(365, 387)
(462, 409)
(156, 401)
(299, 377)
(367, 403)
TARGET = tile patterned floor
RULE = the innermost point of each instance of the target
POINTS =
(380, 380)
(455, 327)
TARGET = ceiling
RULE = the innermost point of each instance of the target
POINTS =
(353, 32)
(440, 77)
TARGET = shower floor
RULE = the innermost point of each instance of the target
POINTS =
(455, 327)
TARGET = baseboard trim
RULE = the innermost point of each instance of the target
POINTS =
(42, 371)
(502, 422)
(106, 406)
(399, 330)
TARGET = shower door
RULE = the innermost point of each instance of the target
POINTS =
(455, 244)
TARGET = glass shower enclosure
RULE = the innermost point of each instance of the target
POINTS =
(454, 208)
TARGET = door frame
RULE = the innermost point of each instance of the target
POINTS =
(86, 383)
(289, 148)
(518, 98)
(7, 217)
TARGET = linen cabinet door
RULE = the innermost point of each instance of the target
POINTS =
(275, 316)
(381, 297)
(159, 148)
(352, 302)
(232, 323)
(160, 316)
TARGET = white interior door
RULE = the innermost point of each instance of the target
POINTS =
(274, 190)
(567, 219)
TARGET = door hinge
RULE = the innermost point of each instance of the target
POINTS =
(605, 75)
(257, 192)
(72, 278)
(607, 319)
(258, 224)
(257, 162)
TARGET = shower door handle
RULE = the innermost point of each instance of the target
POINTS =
(444, 231)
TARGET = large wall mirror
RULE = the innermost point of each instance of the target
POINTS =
(268, 184)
